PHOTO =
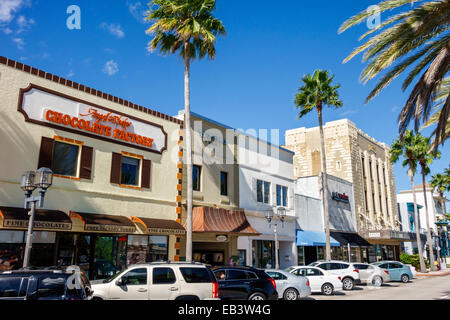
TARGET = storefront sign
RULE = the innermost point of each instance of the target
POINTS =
(165, 231)
(109, 228)
(50, 108)
(342, 197)
(374, 235)
(23, 224)
(221, 238)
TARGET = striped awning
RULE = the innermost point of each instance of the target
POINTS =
(94, 222)
(17, 218)
(218, 220)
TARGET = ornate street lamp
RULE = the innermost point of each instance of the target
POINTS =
(281, 214)
(30, 180)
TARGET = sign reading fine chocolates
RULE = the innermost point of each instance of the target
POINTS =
(50, 108)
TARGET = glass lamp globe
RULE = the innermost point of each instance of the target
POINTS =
(281, 212)
(44, 178)
(269, 215)
(27, 181)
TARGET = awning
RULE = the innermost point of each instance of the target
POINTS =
(217, 220)
(17, 218)
(93, 222)
(354, 239)
(308, 238)
(159, 226)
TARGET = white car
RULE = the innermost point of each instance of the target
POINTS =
(290, 286)
(320, 280)
(413, 270)
(372, 275)
(159, 281)
(347, 271)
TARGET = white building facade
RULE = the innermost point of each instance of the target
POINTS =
(266, 183)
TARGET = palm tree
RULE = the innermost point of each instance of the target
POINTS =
(189, 28)
(425, 158)
(317, 92)
(406, 147)
(416, 37)
(441, 182)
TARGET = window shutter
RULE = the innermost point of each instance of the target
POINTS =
(116, 167)
(146, 173)
(86, 162)
(46, 153)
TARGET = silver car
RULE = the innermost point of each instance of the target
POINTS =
(290, 286)
(371, 274)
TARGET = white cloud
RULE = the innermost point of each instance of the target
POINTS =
(111, 68)
(8, 8)
(114, 29)
(70, 74)
(6, 31)
(24, 24)
(19, 42)
(137, 10)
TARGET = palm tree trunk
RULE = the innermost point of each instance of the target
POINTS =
(187, 124)
(429, 239)
(326, 219)
(416, 222)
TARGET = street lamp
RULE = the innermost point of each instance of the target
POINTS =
(29, 181)
(443, 234)
(281, 214)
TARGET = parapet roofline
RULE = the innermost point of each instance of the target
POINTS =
(237, 132)
(74, 85)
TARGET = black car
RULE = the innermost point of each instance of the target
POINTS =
(245, 283)
(44, 285)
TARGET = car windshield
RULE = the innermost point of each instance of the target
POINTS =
(289, 269)
(313, 264)
(107, 280)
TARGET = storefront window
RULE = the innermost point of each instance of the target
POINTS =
(11, 248)
(263, 254)
(320, 253)
(65, 159)
(105, 262)
(301, 256)
(354, 252)
(158, 248)
(137, 248)
(43, 251)
(336, 253)
(242, 258)
(130, 171)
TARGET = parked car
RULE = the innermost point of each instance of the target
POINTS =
(159, 281)
(397, 270)
(320, 280)
(347, 271)
(245, 283)
(413, 270)
(290, 286)
(27, 284)
(371, 274)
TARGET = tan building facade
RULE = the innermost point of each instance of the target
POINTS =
(356, 157)
(114, 198)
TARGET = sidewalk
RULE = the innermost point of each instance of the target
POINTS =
(434, 273)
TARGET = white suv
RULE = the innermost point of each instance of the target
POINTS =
(347, 271)
(159, 281)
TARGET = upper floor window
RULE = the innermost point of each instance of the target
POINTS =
(66, 157)
(262, 191)
(130, 170)
(196, 175)
(282, 196)
(224, 183)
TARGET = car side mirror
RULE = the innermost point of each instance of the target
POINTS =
(120, 282)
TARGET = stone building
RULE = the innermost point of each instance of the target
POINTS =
(356, 157)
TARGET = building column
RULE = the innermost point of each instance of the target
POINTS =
(376, 188)
(369, 188)
(390, 209)
(383, 190)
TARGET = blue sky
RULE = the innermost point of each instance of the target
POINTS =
(252, 82)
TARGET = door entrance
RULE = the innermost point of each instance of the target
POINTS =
(310, 255)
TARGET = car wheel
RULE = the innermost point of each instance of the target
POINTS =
(257, 296)
(327, 289)
(348, 283)
(404, 278)
(377, 281)
(97, 299)
(290, 294)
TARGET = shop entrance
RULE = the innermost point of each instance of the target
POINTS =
(310, 255)
(214, 254)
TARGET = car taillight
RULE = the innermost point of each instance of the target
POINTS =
(339, 278)
(387, 272)
(273, 283)
(307, 283)
(215, 290)
(357, 271)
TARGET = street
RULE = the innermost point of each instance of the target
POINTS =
(423, 288)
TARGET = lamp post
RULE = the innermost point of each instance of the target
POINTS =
(29, 181)
(441, 232)
(281, 214)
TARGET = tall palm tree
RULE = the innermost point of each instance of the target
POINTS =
(441, 182)
(189, 28)
(425, 158)
(406, 147)
(416, 37)
(318, 92)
